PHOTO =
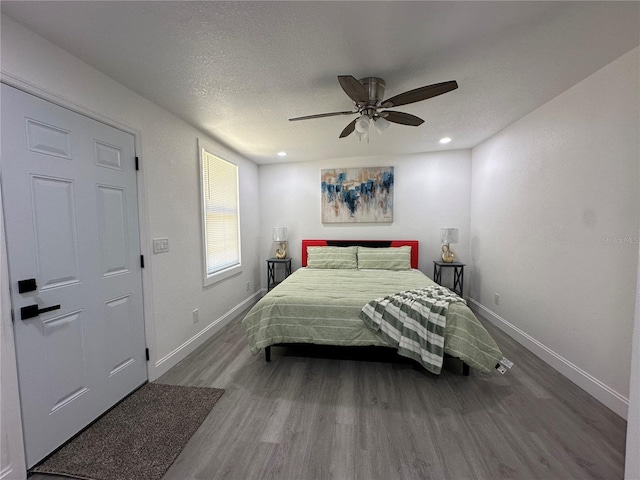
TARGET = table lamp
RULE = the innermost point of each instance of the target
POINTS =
(447, 236)
(280, 236)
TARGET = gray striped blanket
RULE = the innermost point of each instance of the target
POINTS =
(414, 322)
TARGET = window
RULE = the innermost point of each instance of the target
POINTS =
(221, 219)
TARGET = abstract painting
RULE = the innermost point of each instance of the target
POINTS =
(357, 195)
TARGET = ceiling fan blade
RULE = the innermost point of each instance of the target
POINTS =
(348, 130)
(401, 118)
(320, 115)
(353, 88)
(419, 94)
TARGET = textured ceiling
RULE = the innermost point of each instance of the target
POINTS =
(239, 70)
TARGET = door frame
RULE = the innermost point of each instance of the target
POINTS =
(143, 226)
(10, 409)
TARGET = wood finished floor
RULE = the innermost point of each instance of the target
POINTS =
(334, 413)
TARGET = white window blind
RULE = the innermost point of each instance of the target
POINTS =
(221, 216)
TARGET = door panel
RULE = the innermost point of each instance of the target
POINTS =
(109, 156)
(118, 313)
(65, 352)
(113, 230)
(47, 139)
(69, 193)
(56, 247)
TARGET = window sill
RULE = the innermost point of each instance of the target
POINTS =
(222, 275)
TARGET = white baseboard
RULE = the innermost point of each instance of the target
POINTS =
(606, 395)
(170, 360)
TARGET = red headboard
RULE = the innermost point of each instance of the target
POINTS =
(362, 243)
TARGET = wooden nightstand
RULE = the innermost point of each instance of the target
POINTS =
(271, 270)
(458, 274)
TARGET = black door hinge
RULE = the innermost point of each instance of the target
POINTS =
(146, 353)
(137, 164)
(141, 261)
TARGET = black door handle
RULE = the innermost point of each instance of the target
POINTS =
(31, 311)
(28, 285)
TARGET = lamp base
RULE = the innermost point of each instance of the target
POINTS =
(447, 254)
(281, 251)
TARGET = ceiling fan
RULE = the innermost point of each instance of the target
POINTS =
(367, 95)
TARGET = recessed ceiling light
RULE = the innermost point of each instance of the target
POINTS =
(445, 140)
(282, 154)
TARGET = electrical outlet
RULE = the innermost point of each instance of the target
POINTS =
(195, 316)
(248, 286)
(496, 298)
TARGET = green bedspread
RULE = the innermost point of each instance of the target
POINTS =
(323, 307)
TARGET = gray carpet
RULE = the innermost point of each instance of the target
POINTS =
(139, 438)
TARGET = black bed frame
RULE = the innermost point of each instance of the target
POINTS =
(465, 367)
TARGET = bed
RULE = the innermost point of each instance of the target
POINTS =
(322, 303)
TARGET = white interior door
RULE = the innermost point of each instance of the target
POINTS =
(69, 193)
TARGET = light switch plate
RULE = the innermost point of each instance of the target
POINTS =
(160, 245)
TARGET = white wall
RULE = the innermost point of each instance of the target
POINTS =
(431, 191)
(170, 201)
(555, 209)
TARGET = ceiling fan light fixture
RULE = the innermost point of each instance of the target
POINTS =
(367, 95)
(381, 124)
(362, 124)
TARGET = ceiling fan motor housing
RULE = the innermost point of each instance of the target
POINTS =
(375, 89)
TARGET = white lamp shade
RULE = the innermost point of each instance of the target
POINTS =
(279, 234)
(449, 235)
(362, 124)
(381, 124)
